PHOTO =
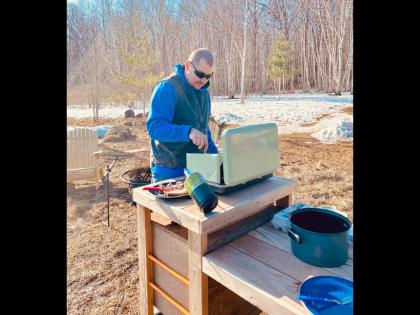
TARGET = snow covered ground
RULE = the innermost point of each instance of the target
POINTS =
(317, 113)
(81, 111)
(301, 112)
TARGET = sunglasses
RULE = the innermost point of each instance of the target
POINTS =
(201, 74)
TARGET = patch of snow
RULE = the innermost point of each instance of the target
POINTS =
(289, 112)
(299, 112)
(228, 117)
(338, 130)
(81, 111)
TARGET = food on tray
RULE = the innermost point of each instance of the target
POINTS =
(170, 189)
(179, 184)
(176, 192)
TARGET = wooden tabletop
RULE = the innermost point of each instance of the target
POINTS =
(261, 268)
(232, 207)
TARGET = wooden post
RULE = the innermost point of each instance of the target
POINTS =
(144, 229)
(198, 289)
(98, 166)
(284, 202)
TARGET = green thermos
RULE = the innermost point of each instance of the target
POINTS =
(203, 196)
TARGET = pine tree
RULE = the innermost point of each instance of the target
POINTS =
(280, 64)
(137, 72)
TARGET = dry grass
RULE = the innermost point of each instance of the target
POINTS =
(89, 122)
(318, 119)
(102, 264)
(324, 172)
(348, 110)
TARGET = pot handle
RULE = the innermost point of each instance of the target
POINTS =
(294, 236)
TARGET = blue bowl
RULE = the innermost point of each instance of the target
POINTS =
(328, 287)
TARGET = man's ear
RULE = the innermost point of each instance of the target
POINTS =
(187, 65)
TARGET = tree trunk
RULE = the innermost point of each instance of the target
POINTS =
(95, 104)
(230, 77)
(254, 47)
(282, 82)
(244, 55)
(292, 83)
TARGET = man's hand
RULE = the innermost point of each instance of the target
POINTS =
(199, 139)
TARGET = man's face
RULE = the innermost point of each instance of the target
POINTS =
(202, 68)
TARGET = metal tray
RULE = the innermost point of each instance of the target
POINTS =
(162, 196)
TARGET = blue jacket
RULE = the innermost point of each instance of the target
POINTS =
(166, 111)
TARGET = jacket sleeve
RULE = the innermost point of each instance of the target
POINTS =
(161, 113)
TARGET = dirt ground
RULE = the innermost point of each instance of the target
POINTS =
(102, 264)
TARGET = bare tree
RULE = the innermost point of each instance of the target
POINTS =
(243, 56)
(241, 33)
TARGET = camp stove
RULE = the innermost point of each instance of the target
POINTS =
(250, 154)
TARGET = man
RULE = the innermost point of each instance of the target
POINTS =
(179, 113)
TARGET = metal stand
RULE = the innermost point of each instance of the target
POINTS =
(108, 170)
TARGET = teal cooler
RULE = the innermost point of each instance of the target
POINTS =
(249, 154)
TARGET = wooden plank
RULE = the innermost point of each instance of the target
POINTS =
(144, 230)
(170, 246)
(170, 243)
(170, 227)
(283, 261)
(77, 147)
(263, 286)
(231, 232)
(81, 143)
(198, 290)
(171, 249)
(169, 298)
(231, 208)
(164, 306)
(223, 301)
(236, 205)
(69, 151)
(284, 202)
(81, 173)
(75, 164)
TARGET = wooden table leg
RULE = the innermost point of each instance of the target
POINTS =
(198, 289)
(284, 202)
(144, 230)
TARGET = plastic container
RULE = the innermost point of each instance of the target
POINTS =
(203, 196)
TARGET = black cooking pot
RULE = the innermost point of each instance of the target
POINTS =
(319, 236)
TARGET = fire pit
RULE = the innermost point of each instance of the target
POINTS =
(136, 177)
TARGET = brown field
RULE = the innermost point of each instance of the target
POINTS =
(102, 265)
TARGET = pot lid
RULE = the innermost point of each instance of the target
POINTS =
(249, 152)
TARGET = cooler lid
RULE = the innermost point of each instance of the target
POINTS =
(249, 152)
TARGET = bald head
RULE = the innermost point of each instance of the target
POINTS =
(199, 67)
(201, 53)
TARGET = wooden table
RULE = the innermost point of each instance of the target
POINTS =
(177, 255)
(261, 268)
